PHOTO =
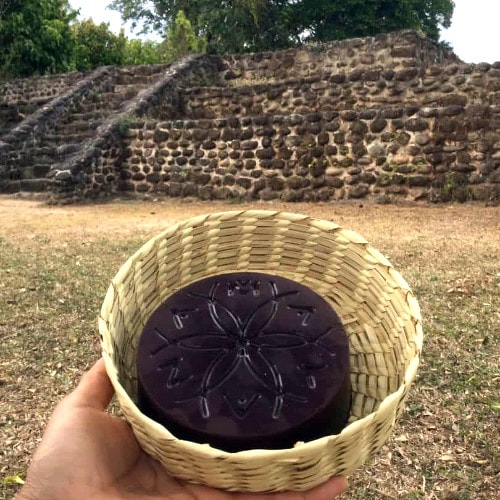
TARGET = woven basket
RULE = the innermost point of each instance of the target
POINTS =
(379, 312)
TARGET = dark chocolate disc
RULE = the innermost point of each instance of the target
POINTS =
(245, 360)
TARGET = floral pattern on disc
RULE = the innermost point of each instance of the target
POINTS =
(242, 354)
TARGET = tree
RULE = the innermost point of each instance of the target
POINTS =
(143, 52)
(247, 26)
(227, 25)
(334, 20)
(256, 25)
(182, 40)
(97, 46)
(36, 37)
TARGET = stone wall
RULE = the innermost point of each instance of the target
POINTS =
(399, 50)
(41, 88)
(378, 118)
(18, 141)
(360, 89)
(434, 154)
(388, 117)
(22, 97)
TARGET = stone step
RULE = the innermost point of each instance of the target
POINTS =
(68, 149)
(84, 117)
(6, 126)
(48, 151)
(9, 186)
(38, 171)
(77, 127)
(119, 91)
(105, 107)
(28, 185)
(58, 139)
(124, 95)
(10, 174)
(33, 185)
(25, 159)
(136, 79)
(118, 88)
(41, 170)
(9, 118)
(117, 100)
(63, 153)
(30, 158)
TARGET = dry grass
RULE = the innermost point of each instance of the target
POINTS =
(56, 263)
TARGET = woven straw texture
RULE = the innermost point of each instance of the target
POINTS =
(379, 312)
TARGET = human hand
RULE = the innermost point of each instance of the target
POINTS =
(86, 453)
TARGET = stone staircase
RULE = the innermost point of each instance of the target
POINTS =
(13, 113)
(74, 127)
(23, 97)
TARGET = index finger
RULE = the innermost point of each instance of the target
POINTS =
(328, 490)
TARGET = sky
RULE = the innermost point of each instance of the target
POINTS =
(474, 32)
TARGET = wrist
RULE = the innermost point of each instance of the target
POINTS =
(39, 491)
(27, 493)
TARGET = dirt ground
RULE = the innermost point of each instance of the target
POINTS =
(56, 262)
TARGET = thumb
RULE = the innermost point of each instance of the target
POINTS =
(93, 391)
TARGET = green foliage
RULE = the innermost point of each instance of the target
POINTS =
(331, 20)
(182, 40)
(456, 187)
(42, 37)
(35, 37)
(97, 46)
(143, 52)
(257, 25)
(248, 26)
(122, 126)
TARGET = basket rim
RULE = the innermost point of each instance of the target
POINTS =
(206, 450)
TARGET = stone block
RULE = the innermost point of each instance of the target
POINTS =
(359, 191)
(208, 145)
(453, 110)
(249, 145)
(244, 182)
(358, 127)
(419, 180)
(404, 51)
(160, 136)
(190, 189)
(349, 116)
(267, 194)
(206, 193)
(378, 125)
(290, 196)
(265, 154)
(391, 113)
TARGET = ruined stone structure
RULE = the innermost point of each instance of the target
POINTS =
(390, 117)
